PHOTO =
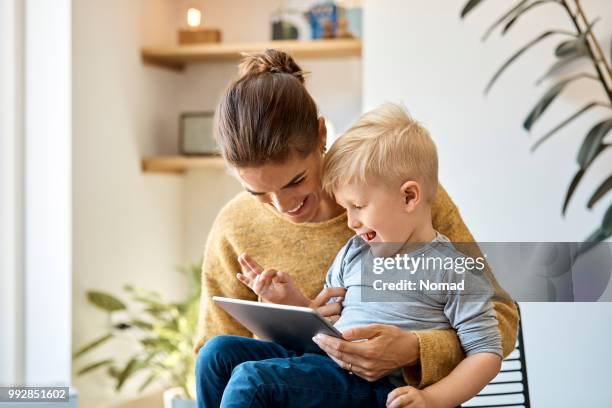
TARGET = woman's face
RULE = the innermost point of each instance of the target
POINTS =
(292, 188)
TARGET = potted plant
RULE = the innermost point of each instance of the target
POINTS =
(163, 331)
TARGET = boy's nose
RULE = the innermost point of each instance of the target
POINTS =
(353, 223)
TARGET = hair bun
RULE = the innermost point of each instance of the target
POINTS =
(272, 61)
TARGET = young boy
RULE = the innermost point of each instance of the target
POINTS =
(383, 171)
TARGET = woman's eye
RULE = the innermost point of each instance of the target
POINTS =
(297, 182)
(357, 207)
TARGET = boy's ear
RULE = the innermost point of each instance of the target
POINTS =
(411, 191)
(322, 133)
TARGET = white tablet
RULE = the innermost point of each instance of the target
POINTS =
(290, 326)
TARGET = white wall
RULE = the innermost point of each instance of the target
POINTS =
(420, 53)
(127, 225)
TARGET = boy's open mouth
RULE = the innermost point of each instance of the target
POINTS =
(369, 235)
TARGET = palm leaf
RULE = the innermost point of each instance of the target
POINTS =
(105, 301)
(546, 100)
(572, 188)
(563, 124)
(593, 145)
(567, 48)
(469, 6)
(522, 11)
(521, 51)
(503, 18)
(600, 192)
(562, 63)
(93, 366)
(579, 52)
(600, 234)
(89, 346)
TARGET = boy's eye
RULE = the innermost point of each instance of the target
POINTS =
(357, 207)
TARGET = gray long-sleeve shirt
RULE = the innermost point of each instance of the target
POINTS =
(466, 307)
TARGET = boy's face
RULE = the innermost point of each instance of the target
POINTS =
(376, 212)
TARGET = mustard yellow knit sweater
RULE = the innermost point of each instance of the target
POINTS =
(306, 251)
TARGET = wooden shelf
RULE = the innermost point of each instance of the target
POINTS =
(177, 57)
(180, 164)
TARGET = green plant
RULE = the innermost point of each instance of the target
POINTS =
(578, 43)
(164, 330)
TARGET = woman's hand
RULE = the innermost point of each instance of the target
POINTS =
(387, 348)
(271, 285)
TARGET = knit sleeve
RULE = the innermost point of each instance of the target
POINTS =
(440, 350)
(219, 270)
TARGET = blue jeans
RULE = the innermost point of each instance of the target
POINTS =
(234, 371)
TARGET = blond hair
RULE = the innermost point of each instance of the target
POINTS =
(385, 145)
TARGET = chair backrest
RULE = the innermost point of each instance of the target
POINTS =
(510, 388)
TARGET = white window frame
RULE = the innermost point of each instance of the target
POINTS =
(35, 192)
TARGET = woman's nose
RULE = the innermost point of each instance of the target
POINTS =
(281, 204)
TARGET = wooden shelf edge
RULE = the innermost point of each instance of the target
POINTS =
(175, 57)
(180, 164)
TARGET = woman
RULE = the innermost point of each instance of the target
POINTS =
(271, 136)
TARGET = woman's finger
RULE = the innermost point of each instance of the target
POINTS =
(248, 262)
(258, 285)
(341, 349)
(246, 269)
(244, 279)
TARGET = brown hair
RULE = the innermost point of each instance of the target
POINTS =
(267, 114)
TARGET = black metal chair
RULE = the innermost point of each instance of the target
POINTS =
(510, 388)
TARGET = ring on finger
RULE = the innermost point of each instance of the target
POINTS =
(350, 368)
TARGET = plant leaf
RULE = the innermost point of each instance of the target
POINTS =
(500, 20)
(93, 366)
(469, 6)
(105, 301)
(522, 11)
(562, 124)
(572, 188)
(125, 374)
(593, 144)
(142, 324)
(600, 192)
(518, 53)
(562, 63)
(567, 48)
(91, 345)
(112, 372)
(600, 234)
(545, 101)
(147, 382)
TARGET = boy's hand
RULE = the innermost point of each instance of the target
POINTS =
(271, 285)
(409, 397)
